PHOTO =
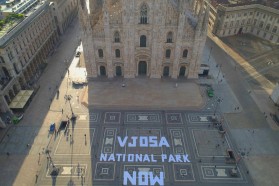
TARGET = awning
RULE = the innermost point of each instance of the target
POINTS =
(79, 80)
(21, 99)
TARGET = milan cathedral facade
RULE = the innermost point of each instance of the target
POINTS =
(152, 38)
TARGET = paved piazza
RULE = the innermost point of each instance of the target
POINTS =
(95, 149)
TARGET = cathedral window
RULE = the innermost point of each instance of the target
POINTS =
(143, 14)
(261, 24)
(267, 27)
(255, 21)
(274, 29)
(168, 53)
(169, 37)
(117, 53)
(101, 54)
(185, 53)
(116, 37)
(143, 41)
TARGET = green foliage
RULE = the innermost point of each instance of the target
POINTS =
(10, 18)
(20, 15)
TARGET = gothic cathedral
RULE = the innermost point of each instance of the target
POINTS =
(153, 38)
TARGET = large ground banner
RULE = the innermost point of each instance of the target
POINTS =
(140, 177)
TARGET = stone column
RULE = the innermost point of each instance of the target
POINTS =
(89, 51)
(199, 41)
(154, 67)
(108, 36)
(128, 37)
(178, 43)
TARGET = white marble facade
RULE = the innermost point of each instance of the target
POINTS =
(153, 38)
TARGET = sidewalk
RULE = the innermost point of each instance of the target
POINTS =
(254, 134)
(24, 141)
(261, 97)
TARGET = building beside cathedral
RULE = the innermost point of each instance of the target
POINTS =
(231, 18)
(152, 38)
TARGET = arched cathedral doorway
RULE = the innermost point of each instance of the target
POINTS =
(166, 71)
(118, 71)
(142, 68)
(182, 71)
(103, 71)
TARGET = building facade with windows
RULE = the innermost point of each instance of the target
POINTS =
(24, 47)
(153, 38)
(256, 19)
(64, 11)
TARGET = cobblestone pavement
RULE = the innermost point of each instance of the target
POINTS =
(262, 57)
(77, 152)
(254, 131)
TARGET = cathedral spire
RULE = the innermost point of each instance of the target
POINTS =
(205, 19)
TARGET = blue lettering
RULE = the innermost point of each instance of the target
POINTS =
(122, 143)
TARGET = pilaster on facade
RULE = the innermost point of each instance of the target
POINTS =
(108, 50)
(178, 46)
(89, 54)
(93, 65)
(124, 39)
(155, 70)
(128, 39)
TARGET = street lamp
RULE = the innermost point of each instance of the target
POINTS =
(219, 100)
(55, 170)
(68, 97)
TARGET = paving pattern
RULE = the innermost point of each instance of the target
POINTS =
(78, 153)
(262, 57)
(209, 143)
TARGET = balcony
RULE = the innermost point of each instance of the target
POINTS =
(184, 60)
(145, 49)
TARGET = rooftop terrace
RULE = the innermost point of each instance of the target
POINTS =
(11, 26)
